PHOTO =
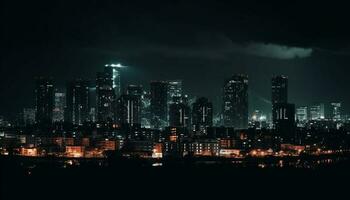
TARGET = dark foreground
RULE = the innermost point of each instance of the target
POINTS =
(137, 181)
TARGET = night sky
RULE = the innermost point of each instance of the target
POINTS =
(203, 43)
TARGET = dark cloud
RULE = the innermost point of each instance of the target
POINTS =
(211, 46)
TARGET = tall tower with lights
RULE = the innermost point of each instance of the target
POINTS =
(115, 71)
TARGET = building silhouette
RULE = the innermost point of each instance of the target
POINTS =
(44, 100)
(279, 93)
(104, 96)
(159, 104)
(179, 113)
(235, 102)
(128, 110)
(202, 115)
(78, 104)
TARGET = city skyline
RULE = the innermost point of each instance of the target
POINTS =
(174, 99)
(240, 43)
(92, 85)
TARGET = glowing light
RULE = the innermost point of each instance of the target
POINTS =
(118, 65)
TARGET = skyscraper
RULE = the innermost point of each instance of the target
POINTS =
(78, 106)
(179, 113)
(114, 70)
(44, 100)
(104, 96)
(235, 102)
(135, 90)
(146, 109)
(285, 121)
(317, 111)
(279, 93)
(202, 115)
(302, 114)
(174, 89)
(159, 100)
(336, 111)
(59, 107)
(28, 116)
(128, 110)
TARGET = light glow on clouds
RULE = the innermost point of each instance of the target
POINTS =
(276, 51)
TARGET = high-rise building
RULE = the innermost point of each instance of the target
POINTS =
(285, 121)
(317, 112)
(146, 109)
(59, 107)
(202, 115)
(235, 102)
(92, 114)
(159, 100)
(302, 114)
(135, 90)
(174, 90)
(44, 101)
(279, 93)
(114, 70)
(104, 96)
(28, 116)
(78, 106)
(128, 110)
(336, 111)
(179, 113)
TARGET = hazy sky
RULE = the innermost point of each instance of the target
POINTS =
(203, 43)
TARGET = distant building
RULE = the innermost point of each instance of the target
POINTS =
(104, 95)
(285, 121)
(202, 115)
(28, 116)
(146, 109)
(203, 147)
(92, 114)
(135, 90)
(78, 105)
(44, 100)
(114, 70)
(129, 110)
(235, 102)
(302, 113)
(159, 108)
(279, 93)
(174, 90)
(59, 107)
(258, 120)
(336, 111)
(179, 114)
(317, 112)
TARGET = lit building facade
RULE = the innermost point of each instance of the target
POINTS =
(174, 90)
(235, 102)
(114, 70)
(59, 107)
(317, 112)
(146, 109)
(302, 114)
(336, 111)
